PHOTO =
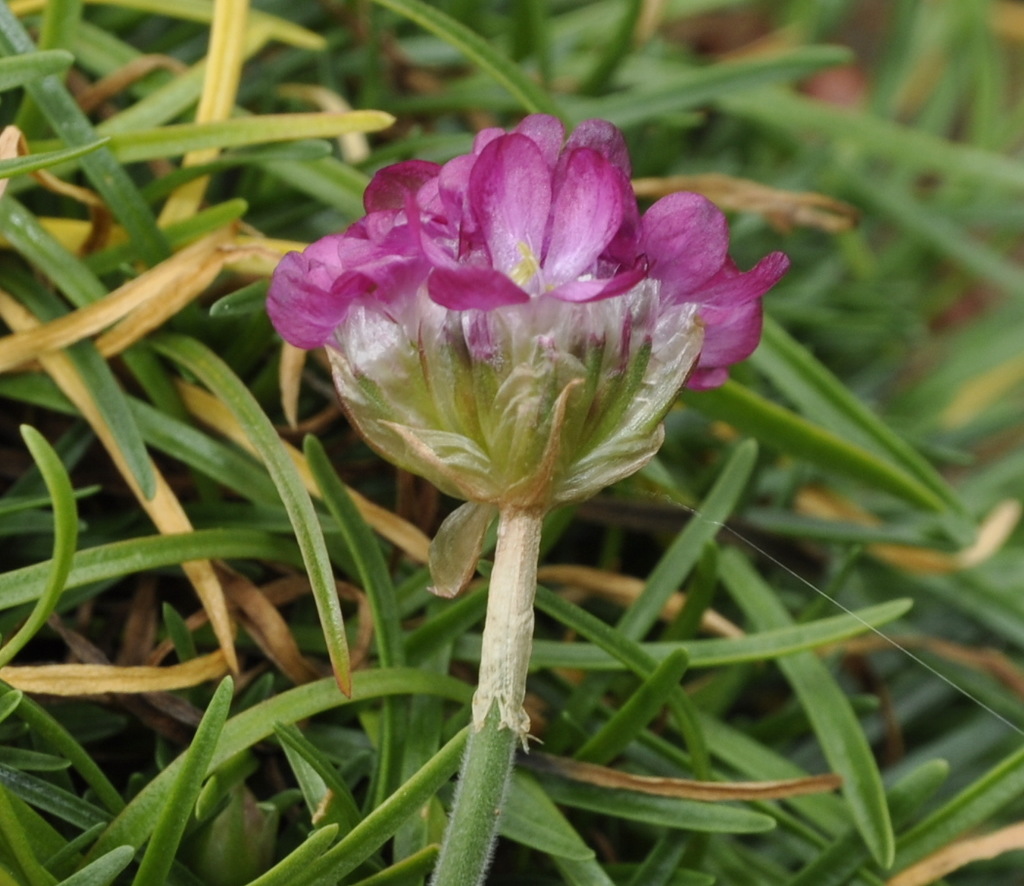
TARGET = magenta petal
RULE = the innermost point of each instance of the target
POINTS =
(606, 139)
(301, 303)
(731, 286)
(595, 290)
(705, 379)
(731, 338)
(391, 186)
(686, 238)
(510, 193)
(546, 132)
(586, 214)
(465, 288)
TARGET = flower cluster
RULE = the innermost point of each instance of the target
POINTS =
(510, 326)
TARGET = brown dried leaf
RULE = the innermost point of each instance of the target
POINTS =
(151, 297)
(956, 855)
(993, 532)
(784, 209)
(580, 582)
(118, 81)
(100, 679)
(267, 627)
(684, 788)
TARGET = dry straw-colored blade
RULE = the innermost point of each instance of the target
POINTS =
(957, 855)
(137, 307)
(785, 209)
(580, 582)
(164, 508)
(99, 679)
(684, 788)
(224, 62)
(992, 534)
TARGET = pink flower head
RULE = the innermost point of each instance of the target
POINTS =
(510, 314)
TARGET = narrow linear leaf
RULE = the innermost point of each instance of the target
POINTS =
(639, 709)
(44, 159)
(219, 378)
(292, 866)
(49, 798)
(915, 148)
(18, 845)
(833, 720)
(105, 173)
(65, 539)
(180, 138)
(775, 426)
(176, 813)
(257, 723)
(18, 70)
(530, 818)
(699, 86)
(342, 810)
(817, 392)
(380, 825)
(689, 815)
(139, 554)
(477, 50)
(369, 562)
(975, 804)
(103, 870)
(53, 735)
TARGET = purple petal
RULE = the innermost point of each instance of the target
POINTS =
(731, 285)
(510, 193)
(606, 139)
(464, 288)
(300, 301)
(728, 338)
(391, 186)
(546, 132)
(586, 214)
(686, 239)
(705, 379)
(595, 290)
(484, 137)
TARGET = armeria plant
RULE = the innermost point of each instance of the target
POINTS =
(509, 326)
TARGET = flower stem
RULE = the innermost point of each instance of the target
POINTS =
(499, 720)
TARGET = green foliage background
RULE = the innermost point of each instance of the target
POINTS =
(862, 472)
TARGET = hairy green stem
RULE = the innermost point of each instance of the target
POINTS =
(499, 719)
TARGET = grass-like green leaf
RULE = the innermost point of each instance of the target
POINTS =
(364, 549)
(216, 375)
(688, 815)
(74, 128)
(184, 790)
(818, 393)
(477, 50)
(641, 707)
(775, 426)
(700, 85)
(1001, 785)
(103, 870)
(18, 70)
(180, 138)
(125, 557)
(45, 159)
(65, 539)
(836, 726)
(530, 818)
(914, 148)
